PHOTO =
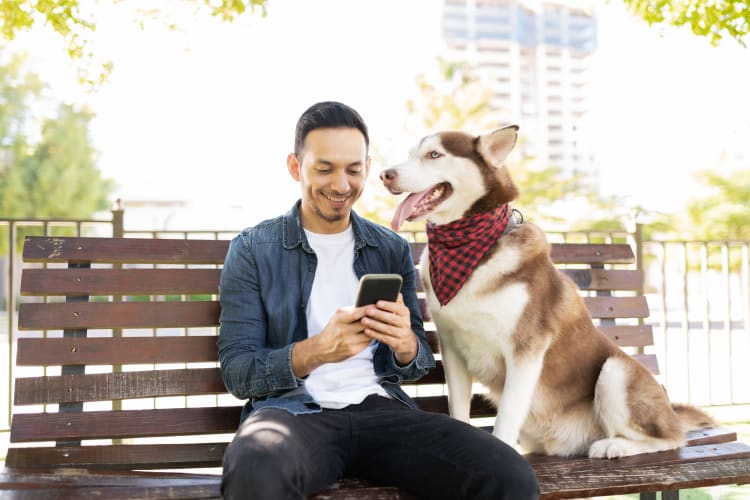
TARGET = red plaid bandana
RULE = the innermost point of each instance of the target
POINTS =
(456, 248)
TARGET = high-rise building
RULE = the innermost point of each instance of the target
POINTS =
(536, 57)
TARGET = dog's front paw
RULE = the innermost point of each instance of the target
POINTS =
(613, 448)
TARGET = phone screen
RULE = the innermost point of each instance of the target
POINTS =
(374, 287)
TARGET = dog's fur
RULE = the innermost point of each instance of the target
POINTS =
(519, 326)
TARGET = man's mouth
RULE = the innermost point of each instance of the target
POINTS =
(336, 199)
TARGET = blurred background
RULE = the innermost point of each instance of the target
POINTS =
(178, 114)
(185, 109)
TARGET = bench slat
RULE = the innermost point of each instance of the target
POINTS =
(602, 307)
(156, 383)
(140, 456)
(119, 385)
(573, 253)
(124, 424)
(124, 250)
(81, 484)
(617, 307)
(48, 282)
(116, 351)
(80, 490)
(591, 253)
(606, 279)
(629, 335)
(597, 279)
(622, 335)
(437, 374)
(84, 315)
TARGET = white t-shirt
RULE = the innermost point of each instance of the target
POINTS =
(337, 385)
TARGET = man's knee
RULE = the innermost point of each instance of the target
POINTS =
(259, 463)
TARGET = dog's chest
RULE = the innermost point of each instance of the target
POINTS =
(480, 320)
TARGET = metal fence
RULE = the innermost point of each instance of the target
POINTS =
(698, 291)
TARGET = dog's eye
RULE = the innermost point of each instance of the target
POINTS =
(434, 155)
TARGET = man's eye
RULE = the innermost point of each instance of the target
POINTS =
(433, 155)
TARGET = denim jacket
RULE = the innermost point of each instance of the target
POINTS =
(264, 289)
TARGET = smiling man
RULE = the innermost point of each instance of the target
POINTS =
(322, 377)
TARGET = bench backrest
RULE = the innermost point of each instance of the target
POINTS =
(122, 370)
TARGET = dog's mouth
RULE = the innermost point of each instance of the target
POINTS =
(417, 205)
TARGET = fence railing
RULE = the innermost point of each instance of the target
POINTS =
(698, 291)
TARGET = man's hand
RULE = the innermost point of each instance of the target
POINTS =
(342, 338)
(390, 323)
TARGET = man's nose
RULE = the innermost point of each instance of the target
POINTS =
(340, 183)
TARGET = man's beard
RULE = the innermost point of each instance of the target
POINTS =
(334, 217)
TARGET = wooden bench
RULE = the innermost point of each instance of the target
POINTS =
(108, 406)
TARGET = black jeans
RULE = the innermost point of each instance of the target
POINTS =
(276, 455)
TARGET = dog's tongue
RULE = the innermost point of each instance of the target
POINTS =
(406, 208)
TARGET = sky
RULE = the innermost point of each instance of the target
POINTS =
(206, 114)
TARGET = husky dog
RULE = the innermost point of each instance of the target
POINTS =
(507, 318)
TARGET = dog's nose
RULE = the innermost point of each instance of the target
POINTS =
(388, 175)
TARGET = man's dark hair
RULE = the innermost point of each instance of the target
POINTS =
(327, 114)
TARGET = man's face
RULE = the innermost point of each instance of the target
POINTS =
(332, 169)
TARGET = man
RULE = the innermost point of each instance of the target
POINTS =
(322, 376)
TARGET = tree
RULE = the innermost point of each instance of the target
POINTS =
(713, 19)
(56, 175)
(724, 213)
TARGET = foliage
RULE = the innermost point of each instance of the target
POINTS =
(66, 19)
(47, 164)
(75, 21)
(58, 176)
(723, 214)
(714, 19)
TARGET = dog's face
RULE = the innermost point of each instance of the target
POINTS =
(451, 175)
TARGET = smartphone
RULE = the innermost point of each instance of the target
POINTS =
(375, 287)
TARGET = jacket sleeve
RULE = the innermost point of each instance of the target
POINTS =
(249, 368)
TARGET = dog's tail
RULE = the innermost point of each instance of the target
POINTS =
(692, 418)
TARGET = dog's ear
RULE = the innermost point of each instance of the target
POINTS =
(496, 146)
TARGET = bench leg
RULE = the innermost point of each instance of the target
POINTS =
(649, 495)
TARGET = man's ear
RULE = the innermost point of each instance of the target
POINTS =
(293, 166)
(367, 166)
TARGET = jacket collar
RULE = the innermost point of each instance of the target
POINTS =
(293, 234)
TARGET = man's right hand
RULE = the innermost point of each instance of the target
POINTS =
(342, 338)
